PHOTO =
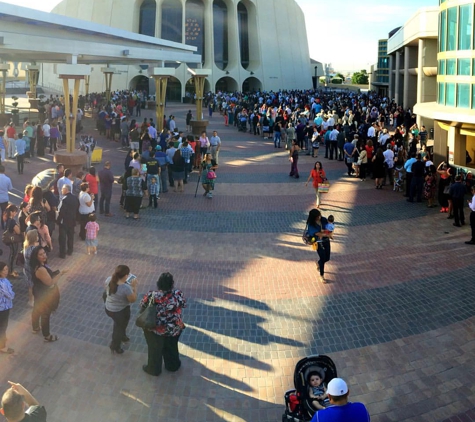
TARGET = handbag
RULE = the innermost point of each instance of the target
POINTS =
(211, 175)
(8, 238)
(147, 317)
(306, 237)
(447, 189)
(324, 187)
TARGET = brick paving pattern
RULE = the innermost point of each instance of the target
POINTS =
(397, 316)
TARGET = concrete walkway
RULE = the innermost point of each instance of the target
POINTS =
(397, 316)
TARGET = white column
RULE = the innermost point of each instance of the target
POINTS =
(407, 60)
(397, 76)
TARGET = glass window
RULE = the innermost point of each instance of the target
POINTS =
(465, 27)
(473, 96)
(148, 12)
(441, 95)
(463, 95)
(220, 30)
(452, 29)
(473, 67)
(450, 67)
(441, 67)
(464, 67)
(194, 26)
(172, 25)
(450, 94)
(243, 25)
(443, 31)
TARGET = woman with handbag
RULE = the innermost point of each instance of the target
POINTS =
(318, 175)
(45, 292)
(120, 293)
(12, 236)
(316, 227)
(162, 340)
(208, 176)
(363, 160)
(6, 303)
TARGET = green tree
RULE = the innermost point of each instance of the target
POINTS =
(360, 78)
(340, 75)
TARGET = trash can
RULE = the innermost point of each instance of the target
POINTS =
(96, 155)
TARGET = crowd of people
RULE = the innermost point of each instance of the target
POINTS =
(372, 135)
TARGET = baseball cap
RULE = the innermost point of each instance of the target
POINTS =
(158, 148)
(337, 387)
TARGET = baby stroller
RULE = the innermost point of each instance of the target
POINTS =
(298, 404)
(242, 127)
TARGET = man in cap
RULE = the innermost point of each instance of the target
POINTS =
(341, 410)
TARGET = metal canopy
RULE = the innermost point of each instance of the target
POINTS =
(33, 36)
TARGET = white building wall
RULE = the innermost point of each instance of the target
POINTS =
(279, 54)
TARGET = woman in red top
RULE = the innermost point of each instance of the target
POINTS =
(369, 154)
(93, 180)
(318, 175)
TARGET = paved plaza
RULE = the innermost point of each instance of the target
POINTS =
(397, 316)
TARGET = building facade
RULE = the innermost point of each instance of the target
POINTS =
(380, 73)
(453, 108)
(247, 44)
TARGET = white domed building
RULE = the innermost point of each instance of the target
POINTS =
(247, 44)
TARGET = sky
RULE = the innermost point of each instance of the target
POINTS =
(344, 33)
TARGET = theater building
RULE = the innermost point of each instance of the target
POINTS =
(247, 44)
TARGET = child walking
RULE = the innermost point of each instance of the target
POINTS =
(153, 191)
(91, 234)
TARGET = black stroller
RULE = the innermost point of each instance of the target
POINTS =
(298, 406)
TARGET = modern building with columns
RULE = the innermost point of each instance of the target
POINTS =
(453, 107)
(247, 44)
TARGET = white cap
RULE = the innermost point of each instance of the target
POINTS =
(337, 387)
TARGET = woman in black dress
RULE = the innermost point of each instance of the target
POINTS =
(378, 169)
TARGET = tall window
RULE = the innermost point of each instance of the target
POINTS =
(463, 95)
(243, 25)
(443, 31)
(220, 30)
(172, 24)
(194, 26)
(465, 27)
(148, 13)
(452, 29)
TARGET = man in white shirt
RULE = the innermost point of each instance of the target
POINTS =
(67, 179)
(383, 138)
(389, 162)
(215, 146)
(334, 143)
(46, 132)
(371, 132)
(172, 124)
(331, 121)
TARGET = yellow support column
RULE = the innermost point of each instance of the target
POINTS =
(71, 158)
(4, 67)
(33, 72)
(108, 72)
(199, 77)
(160, 76)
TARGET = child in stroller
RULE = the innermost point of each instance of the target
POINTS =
(317, 391)
(299, 401)
(242, 123)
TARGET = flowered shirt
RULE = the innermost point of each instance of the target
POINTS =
(6, 295)
(169, 307)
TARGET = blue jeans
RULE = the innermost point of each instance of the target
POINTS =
(277, 139)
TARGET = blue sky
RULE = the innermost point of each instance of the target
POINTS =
(341, 32)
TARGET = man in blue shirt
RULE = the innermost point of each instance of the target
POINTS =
(348, 149)
(5, 186)
(341, 410)
(408, 167)
(20, 146)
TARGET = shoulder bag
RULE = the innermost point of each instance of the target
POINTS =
(147, 317)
